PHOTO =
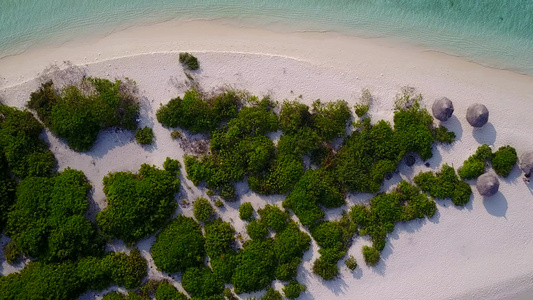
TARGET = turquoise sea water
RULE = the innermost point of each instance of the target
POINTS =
(498, 33)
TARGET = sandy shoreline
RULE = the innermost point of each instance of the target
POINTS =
(481, 251)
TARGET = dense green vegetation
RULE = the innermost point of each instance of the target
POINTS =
(351, 263)
(371, 255)
(47, 221)
(144, 136)
(189, 61)
(246, 211)
(78, 113)
(444, 184)
(139, 204)
(179, 246)
(199, 114)
(68, 280)
(203, 211)
(293, 289)
(405, 203)
(504, 160)
(475, 164)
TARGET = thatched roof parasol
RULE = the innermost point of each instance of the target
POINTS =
(487, 184)
(442, 109)
(477, 115)
(526, 162)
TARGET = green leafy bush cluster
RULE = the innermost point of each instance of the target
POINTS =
(202, 209)
(504, 160)
(443, 135)
(7, 191)
(246, 211)
(351, 263)
(77, 114)
(272, 294)
(201, 283)
(405, 203)
(138, 204)
(21, 150)
(179, 246)
(238, 149)
(293, 289)
(475, 164)
(197, 113)
(189, 61)
(371, 255)
(47, 221)
(160, 290)
(68, 280)
(444, 184)
(144, 136)
(315, 187)
(219, 245)
(334, 238)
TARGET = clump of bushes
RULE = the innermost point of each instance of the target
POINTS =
(443, 135)
(77, 114)
(444, 184)
(272, 294)
(189, 61)
(405, 203)
(197, 113)
(246, 211)
(179, 246)
(475, 165)
(144, 136)
(7, 191)
(504, 160)
(257, 230)
(161, 290)
(365, 100)
(202, 283)
(219, 245)
(138, 204)
(11, 252)
(47, 221)
(371, 255)
(351, 263)
(293, 289)
(202, 210)
(68, 280)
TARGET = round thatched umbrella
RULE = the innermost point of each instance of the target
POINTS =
(442, 109)
(477, 115)
(487, 184)
(526, 162)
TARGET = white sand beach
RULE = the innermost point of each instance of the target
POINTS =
(481, 251)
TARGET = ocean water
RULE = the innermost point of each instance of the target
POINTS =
(497, 33)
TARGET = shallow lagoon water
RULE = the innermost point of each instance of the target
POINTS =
(497, 33)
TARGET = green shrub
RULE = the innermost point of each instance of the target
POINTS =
(166, 291)
(144, 136)
(219, 238)
(114, 296)
(330, 119)
(294, 116)
(361, 109)
(504, 160)
(219, 203)
(78, 116)
(198, 114)
(179, 246)
(290, 243)
(189, 61)
(271, 294)
(293, 289)
(201, 283)
(289, 270)
(255, 266)
(371, 255)
(7, 191)
(126, 270)
(325, 269)
(172, 166)
(351, 263)
(274, 217)
(202, 209)
(138, 204)
(444, 184)
(257, 230)
(47, 221)
(443, 135)
(246, 211)
(11, 252)
(229, 294)
(475, 165)
(176, 134)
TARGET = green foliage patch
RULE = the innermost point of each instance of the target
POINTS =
(189, 61)
(475, 165)
(138, 204)
(371, 255)
(77, 114)
(144, 136)
(504, 160)
(246, 211)
(293, 289)
(444, 184)
(202, 209)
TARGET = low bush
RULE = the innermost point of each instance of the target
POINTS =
(444, 184)
(138, 204)
(161, 290)
(219, 203)
(442, 135)
(475, 165)
(78, 115)
(11, 252)
(144, 136)
(246, 211)
(371, 255)
(255, 266)
(189, 61)
(325, 269)
(293, 289)
(351, 263)
(179, 246)
(257, 230)
(47, 221)
(361, 109)
(504, 160)
(272, 294)
(201, 283)
(274, 217)
(202, 209)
